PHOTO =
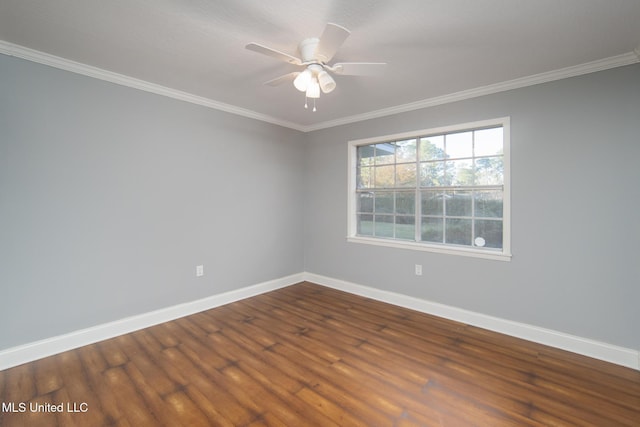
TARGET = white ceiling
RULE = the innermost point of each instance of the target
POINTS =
(433, 47)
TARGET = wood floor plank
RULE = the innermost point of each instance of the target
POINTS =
(77, 390)
(48, 378)
(151, 396)
(357, 370)
(283, 377)
(219, 402)
(308, 355)
(208, 381)
(155, 378)
(94, 366)
(186, 410)
(67, 418)
(593, 407)
(19, 384)
(210, 406)
(316, 373)
(128, 398)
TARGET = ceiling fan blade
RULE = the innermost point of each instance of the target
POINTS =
(330, 41)
(282, 79)
(359, 68)
(273, 53)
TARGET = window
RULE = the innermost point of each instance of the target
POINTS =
(443, 190)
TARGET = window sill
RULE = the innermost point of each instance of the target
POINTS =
(495, 255)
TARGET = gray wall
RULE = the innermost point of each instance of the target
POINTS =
(575, 200)
(110, 196)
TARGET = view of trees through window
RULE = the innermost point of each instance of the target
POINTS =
(445, 188)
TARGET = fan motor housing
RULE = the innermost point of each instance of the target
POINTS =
(307, 49)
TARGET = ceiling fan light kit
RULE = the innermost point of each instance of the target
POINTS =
(327, 84)
(302, 80)
(315, 54)
(313, 90)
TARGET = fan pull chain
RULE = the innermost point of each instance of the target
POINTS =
(306, 104)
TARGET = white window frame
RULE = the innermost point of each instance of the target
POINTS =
(503, 254)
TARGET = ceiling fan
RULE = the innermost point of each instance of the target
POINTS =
(315, 54)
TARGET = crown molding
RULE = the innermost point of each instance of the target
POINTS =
(22, 52)
(563, 73)
(32, 55)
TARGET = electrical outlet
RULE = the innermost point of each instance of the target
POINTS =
(418, 270)
(199, 270)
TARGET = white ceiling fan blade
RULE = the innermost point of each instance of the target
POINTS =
(330, 41)
(273, 53)
(282, 79)
(359, 68)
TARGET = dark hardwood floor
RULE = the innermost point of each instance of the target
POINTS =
(307, 355)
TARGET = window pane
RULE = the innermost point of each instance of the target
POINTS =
(385, 176)
(406, 151)
(405, 202)
(489, 171)
(459, 145)
(365, 202)
(488, 204)
(405, 227)
(460, 179)
(385, 153)
(432, 203)
(432, 230)
(490, 231)
(384, 202)
(432, 174)
(458, 231)
(384, 225)
(432, 148)
(460, 172)
(458, 203)
(406, 175)
(365, 155)
(488, 142)
(365, 177)
(365, 225)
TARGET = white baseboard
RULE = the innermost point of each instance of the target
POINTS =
(36, 350)
(598, 350)
(607, 352)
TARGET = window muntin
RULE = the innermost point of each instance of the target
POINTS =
(444, 188)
